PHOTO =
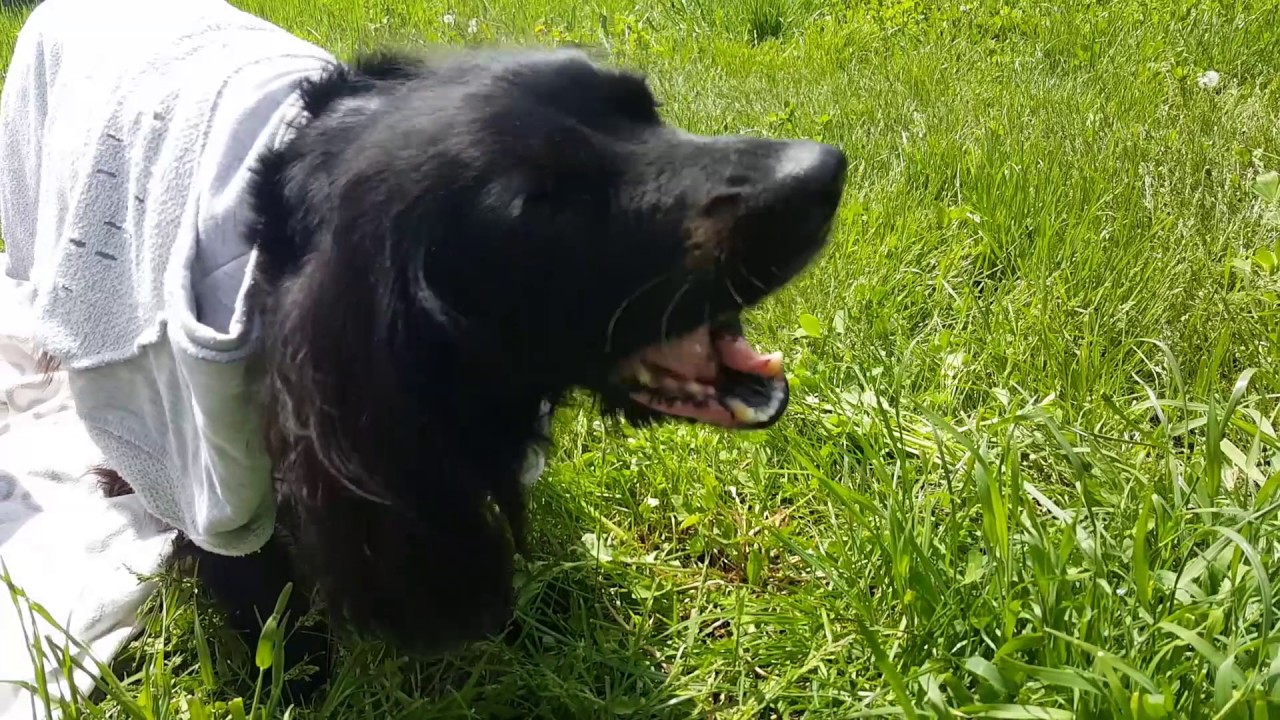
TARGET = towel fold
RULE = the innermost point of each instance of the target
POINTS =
(130, 129)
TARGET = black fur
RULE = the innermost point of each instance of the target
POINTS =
(444, 246)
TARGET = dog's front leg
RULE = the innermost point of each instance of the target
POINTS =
(246, 590)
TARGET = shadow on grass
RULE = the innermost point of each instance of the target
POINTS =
(578, 648)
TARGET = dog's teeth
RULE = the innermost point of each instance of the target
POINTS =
(695, 388)
(643, 376)
(671, 385)
(742, 412)
(772, 365)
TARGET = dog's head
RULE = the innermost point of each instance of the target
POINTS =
(569, 237)
(448, 244)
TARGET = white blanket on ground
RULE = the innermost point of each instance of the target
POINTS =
(72, 550)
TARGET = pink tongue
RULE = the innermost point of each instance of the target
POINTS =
(737, 354)
(689, 356)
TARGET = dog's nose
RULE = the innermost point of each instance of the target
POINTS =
(771, 211)
(765, 185)
(810, 172)
(763, 207)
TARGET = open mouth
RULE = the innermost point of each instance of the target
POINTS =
(711, 375)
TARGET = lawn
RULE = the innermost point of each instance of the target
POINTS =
(1031, 466)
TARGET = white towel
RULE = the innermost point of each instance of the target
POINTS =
(67, 546)
(129, 130)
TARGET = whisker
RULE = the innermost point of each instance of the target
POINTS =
(733, 291)
(666, 315)
(753, 280)
(613, 321)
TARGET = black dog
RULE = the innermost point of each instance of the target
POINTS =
(445, 247)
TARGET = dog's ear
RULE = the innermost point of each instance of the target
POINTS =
(389, 63)
(398, 473)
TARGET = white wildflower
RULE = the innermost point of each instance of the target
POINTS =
(1209, 80)
(473, 26)
(448, 19)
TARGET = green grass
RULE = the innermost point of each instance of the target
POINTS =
(1031, 468)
